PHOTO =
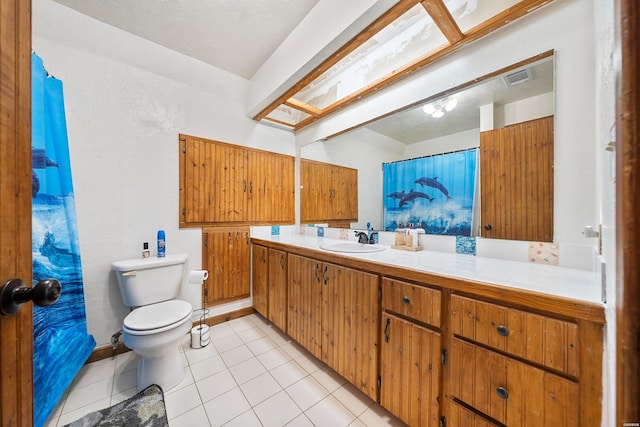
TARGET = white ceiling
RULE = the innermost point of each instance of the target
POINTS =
(237, 36)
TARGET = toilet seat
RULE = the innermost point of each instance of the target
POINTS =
(155, 318)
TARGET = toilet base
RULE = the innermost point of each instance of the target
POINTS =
(165, 370)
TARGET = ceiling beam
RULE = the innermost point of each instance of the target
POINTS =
(443, 19)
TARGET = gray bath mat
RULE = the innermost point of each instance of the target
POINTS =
(144, 409)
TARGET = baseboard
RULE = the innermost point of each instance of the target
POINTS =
(105, 352)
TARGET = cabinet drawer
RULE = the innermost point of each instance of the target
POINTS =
(461, 416)
(540, 339)
(417, 302)
(511, 392)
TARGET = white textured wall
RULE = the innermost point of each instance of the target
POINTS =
(126, 101)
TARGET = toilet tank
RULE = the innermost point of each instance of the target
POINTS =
(144, 281)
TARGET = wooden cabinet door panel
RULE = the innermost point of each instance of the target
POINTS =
(458, 415)
(350, 325)
(304, 314)
(226, 255)
(516, 181)
(260, 279)
(410, 371)
(328, 192)
(417, 302)
(540, 339)
(509, 391)
(278, 288)
(271, 187)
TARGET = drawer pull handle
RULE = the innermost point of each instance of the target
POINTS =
(503, 331)
(406, 300)
(502, 392)
(386, 328)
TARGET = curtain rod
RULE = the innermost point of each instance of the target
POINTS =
(430, 155)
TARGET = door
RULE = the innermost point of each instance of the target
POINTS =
(304, 315)
(260, 279)
(16, 332)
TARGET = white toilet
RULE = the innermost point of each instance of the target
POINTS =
(158, 321)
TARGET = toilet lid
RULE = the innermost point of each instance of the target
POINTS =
(158, 315)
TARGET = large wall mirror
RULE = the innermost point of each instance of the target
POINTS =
(450, 122)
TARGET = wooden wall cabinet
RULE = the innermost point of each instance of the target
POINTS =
(227, 257)
(410, 353)
(223, 183)
(269, 278)
(329, 193)
(334, 313)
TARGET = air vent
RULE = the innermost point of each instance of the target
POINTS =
(518, 77)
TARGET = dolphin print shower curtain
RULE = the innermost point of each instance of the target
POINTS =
(435, 193)
(61, 342)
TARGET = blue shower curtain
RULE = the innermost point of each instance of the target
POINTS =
(61, 342)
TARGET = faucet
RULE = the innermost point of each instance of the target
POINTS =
(362, 237)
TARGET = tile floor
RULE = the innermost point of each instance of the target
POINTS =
(252, 375)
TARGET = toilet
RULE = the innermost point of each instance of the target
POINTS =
(158, 321)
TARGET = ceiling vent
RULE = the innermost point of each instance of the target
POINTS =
(518, 77)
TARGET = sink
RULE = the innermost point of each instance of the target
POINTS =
(352, 247)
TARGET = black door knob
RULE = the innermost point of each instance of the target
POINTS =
(14, 293)
(487, 227)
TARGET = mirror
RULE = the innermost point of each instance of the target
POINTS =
(515, 94)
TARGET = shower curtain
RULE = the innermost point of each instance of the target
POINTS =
(61, 342)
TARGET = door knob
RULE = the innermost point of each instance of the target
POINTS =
(14, 293)
(488, 227)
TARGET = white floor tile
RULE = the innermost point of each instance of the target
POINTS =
(215, 385)
(72, 416)
(300, 421)
(247, 370)
(307, 392)
(227, 343)
(288, 373)
(262, 345)
(294, 350)
(226, 407)
(123, 395)
(273, 358)
(242, 324)
(82, 396)
(329, 379)
(260, 388)
(310, 363)
(222, 330)
(197, 417)
(251, 334)
(353, 399)
(376, 415)
(186, 381)
(181, 401)
(236, 355)
(248, 419)
(93, 372)
(207, 367)
(124, 381)
(329, 413)
(197, 355)
(126, 362)
(277, 411)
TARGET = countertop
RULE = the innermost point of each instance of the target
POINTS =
(581, 285)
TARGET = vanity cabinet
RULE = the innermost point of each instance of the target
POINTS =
(328, 193)
(410, 353)
(516, 367)
(227, 257)
(269, 278)
(334, 313)
(223, 183)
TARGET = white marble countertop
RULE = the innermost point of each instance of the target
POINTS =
(564, 282)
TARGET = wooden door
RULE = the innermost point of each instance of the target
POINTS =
(304, 314)
(313, 192)
(278, 288)
(516, 181)
(226, 255)
(350, 325)
(271, 188)
(410, 371)
(16, 332)
(213, 184)
(260, 279)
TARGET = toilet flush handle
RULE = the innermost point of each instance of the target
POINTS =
(129, 273)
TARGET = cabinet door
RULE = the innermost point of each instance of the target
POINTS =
(304, 314)
(329, 192)
(350, 325)
(226, 255)
(278, 288)
(509, 391)
(460, 416)
(260, 279)
(271, 187)
(410, 371)
(343, 197)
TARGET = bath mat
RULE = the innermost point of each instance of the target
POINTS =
(144, 409)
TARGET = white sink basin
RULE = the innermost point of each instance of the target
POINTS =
(352, 247)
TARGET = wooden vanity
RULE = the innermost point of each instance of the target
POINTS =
(435, 349)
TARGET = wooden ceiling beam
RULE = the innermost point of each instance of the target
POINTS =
(301, 106)
(443, 19)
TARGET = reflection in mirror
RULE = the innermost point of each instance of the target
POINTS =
(515, 95)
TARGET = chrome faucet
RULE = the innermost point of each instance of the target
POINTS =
(364, 238)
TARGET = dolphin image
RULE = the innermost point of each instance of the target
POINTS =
(397, 195)
(39, 160)
(433, 182)
(411, 196)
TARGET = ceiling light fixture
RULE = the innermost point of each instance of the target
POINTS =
(438, 108)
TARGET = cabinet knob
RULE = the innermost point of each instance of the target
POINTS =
(406, 300)
(503, 331)
(502, 392)
(488, 227)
